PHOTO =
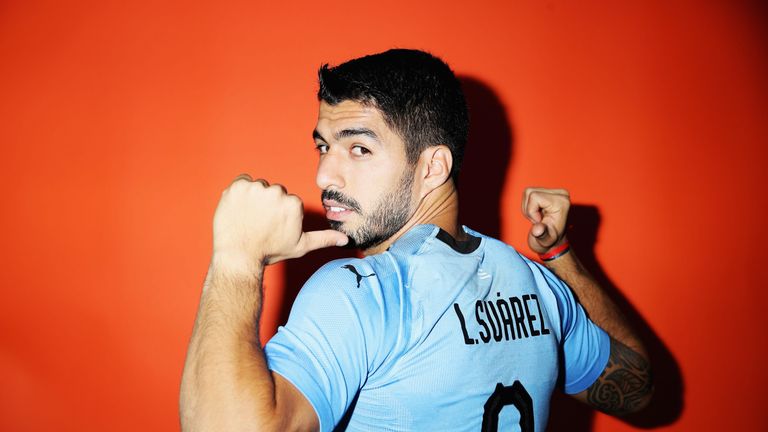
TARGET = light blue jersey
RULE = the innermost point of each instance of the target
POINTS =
(437, 335)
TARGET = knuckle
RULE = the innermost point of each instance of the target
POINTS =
(242, 178)
(294, 199)
(255, 187)
(295, 205)
(277, 187)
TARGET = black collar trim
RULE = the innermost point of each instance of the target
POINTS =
(463, 247)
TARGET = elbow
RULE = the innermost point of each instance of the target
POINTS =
(626, 386)
(200, 411)
(209, 415)
(640, 404)
(212, 421)
(622, 392)
(638, 400)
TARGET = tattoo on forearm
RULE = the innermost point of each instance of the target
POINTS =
(624, 384)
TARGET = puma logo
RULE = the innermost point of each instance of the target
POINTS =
(359, 277)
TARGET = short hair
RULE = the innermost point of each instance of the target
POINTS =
(418, 95)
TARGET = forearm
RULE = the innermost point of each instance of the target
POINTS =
(226, 384)
(598, 305)
(626, 384)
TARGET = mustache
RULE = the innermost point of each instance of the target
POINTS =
(341, 199)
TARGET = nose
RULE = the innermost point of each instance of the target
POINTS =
(329, 172)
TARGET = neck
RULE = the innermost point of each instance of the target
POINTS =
(439, 207)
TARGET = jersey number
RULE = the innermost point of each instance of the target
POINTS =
(513, 395)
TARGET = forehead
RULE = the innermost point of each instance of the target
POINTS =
(332, 119)
(347, 111)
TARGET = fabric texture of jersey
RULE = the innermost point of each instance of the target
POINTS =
(435, 334)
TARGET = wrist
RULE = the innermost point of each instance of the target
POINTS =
(233, 283)
(235, 264)
(555, 252)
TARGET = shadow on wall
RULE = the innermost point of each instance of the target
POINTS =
(487, 158)
(667, 404)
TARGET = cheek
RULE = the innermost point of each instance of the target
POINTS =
(372, 183)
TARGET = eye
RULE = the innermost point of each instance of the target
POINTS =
(322, 148)
(358, 150)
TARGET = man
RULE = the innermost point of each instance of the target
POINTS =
(438, 327)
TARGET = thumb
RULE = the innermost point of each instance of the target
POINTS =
(539, 230)
(541, 237)
(312, 240)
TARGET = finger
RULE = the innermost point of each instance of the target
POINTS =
(243, 176)
(281, 187)
(312, 240)
(562, 192)
(538, 192)
(525, 202)
(536, 205)
(541, 238)
(545, 235)
(538, 230)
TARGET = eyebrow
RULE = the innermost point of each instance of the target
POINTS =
(346, 133)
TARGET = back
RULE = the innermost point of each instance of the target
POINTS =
(463, 336)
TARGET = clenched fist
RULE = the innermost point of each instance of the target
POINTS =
(258, 223)
(547, 209)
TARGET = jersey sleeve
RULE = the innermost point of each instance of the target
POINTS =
(322, 348)
(586, 347)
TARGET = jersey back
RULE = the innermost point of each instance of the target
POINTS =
(436, 334)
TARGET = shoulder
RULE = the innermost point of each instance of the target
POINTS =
(356, 298)
(349, 273)
(556, 296)
(498, 249)
(342, 297)
(363, 286)
(556, 292)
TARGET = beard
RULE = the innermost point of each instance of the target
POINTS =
(389, 215)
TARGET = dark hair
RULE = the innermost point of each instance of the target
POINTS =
(417, 93)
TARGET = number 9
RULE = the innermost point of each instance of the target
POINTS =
(502, 396)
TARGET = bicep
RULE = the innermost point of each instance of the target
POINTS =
(295, 413)
(321, 351)
(318, 365)
(624, 386)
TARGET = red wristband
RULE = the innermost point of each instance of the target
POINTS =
(556, 252)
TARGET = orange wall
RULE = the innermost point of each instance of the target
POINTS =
(120, 122)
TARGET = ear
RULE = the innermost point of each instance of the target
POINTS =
(435, 165)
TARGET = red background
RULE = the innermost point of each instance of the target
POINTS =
(120, 123)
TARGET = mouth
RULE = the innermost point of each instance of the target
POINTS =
(336, 211)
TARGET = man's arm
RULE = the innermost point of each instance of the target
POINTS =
(226, 384)
(626, 385)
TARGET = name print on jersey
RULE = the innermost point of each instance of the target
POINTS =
(504, 319)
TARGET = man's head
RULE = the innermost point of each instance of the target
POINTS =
(381, 116)
(417, 94)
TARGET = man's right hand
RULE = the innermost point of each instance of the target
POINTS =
(227, 384)
(256, 223)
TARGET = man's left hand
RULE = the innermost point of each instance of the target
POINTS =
(547, 209)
